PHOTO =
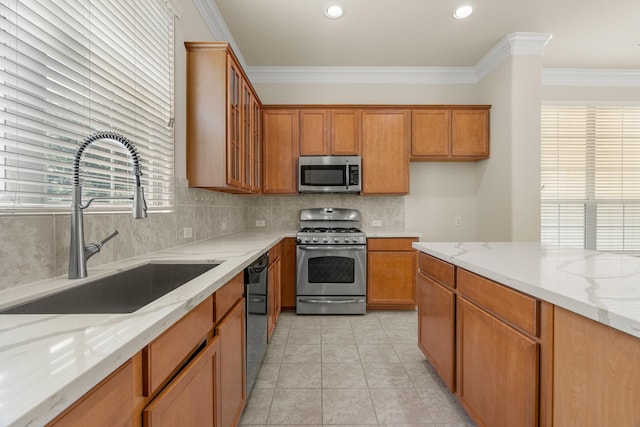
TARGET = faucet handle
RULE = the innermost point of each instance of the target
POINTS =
(93, 248)
(113, 234)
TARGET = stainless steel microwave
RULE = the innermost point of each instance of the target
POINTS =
(329, 174)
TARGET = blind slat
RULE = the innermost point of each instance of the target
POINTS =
(69, 68)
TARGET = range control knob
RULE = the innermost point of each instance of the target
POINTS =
(346, 240)
(315, 239)
(325, 239)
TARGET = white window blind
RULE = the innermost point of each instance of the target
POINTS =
(69, 68)
(590, 175)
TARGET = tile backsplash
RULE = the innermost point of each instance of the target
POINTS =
(35, 247)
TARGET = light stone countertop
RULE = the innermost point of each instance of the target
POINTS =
(49, 361)
(392, 234)
(601, 286)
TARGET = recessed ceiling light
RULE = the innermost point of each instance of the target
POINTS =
(334, 11)
(462, 12)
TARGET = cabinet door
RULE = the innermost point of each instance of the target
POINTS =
(391, 280)
(247, 136)
(385, 151)
(430, 133)
(193, 397)
(497, 370)
(436, 327)
(234, 126)
(470, 133)
(314, 132)
(109, 404)
(345, 133)
(271, 305)
(280, 151)
(288, 274)
(232, 364)
(256, 146)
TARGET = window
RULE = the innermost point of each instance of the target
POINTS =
(591, 177)
(69, 68)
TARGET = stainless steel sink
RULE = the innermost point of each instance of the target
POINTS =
(122, 292)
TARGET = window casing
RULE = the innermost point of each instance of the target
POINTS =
(590, 172)
(69, 68)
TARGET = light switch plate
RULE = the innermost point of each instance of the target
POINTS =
(260, 223)
(187, 232)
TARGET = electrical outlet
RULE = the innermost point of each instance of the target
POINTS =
(223, 226)
(187, 232)
(260, 222)
(376, 223)
(458, 221)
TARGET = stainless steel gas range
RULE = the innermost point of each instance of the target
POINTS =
(331, 259)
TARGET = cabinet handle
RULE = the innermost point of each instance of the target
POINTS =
(328, 301)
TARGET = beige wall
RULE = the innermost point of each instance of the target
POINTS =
(601, 94)
(494, 175)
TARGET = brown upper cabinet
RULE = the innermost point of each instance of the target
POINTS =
(385, 151)
(334, 132)
(450, 133)
(223, 121)
(280, 151)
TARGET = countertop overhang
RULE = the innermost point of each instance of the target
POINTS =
(602, 286)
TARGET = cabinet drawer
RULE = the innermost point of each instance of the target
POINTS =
(110, 403)
(228, 295)
(439, 270)
(396, 244)
(519, 309)
(166, 353)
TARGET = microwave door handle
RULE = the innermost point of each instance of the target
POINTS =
(346, 173)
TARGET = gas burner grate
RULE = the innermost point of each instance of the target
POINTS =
(330, 230)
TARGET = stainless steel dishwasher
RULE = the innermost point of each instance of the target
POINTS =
(256, 322)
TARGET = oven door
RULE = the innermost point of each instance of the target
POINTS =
(332, 270)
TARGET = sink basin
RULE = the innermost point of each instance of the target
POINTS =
(123, 292)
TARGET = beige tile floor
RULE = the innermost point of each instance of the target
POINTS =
(350, 370)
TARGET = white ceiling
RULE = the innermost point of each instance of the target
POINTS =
(587, 34)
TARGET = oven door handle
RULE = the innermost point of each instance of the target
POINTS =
(328, 301)
(333, 247)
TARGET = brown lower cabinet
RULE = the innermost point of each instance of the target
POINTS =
(491, 345)
(274, 274)
(497, 370)
(437, 327)
(108, 404)
(193, 397)
(231, 332)
(288, 275)
(391, 274)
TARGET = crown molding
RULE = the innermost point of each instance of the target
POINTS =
(213, 19)
(362, 75)
(590, 77)
(511, 45)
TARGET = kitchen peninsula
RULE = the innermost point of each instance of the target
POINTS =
(532, 334)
